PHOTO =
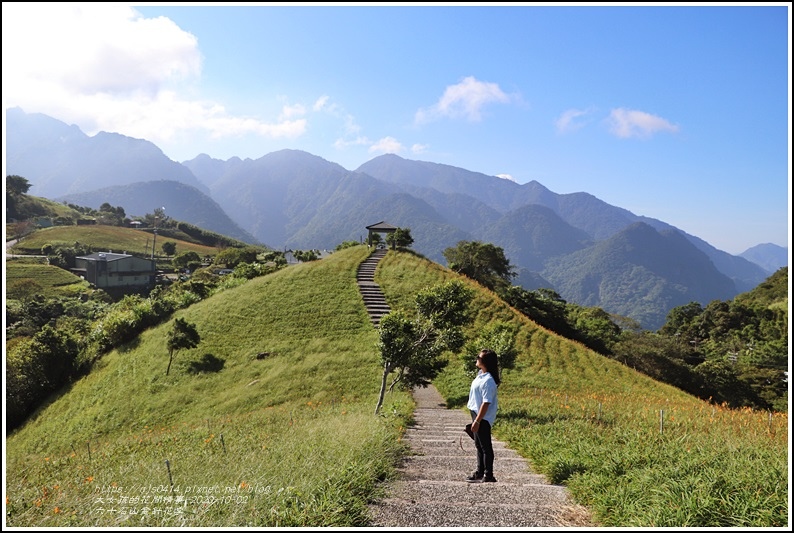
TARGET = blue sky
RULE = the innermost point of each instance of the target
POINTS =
(680, 113)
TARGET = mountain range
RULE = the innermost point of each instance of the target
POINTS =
(588, 251)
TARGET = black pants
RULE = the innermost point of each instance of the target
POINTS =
(482, 441)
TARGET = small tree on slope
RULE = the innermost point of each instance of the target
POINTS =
(182, 335)
(413, 348)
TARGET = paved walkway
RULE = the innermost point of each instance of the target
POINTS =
(374, 300)
(432, 490)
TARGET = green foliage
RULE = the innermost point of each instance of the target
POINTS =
(111, 216)
(346, 244)
(36, 368)
(412, 347)
(205, 237)
(482, 262)
(184, 259)
(543, 306)
(253, 270)
(744, 343)
(169, 248)
(306, 255)
(497, 336)
(182, 336)
(270, 418)
(400, 238)
(274, 256)
(257, 426)
(445, 306)
(231, 257)
(24, 289)
(771, 291)
(591, 326)
(17, 185)
(594, 327)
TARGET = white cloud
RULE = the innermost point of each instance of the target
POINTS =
(349, 129)
(570, 121)
(387, 145)
(104, 48)
(289, 111)
(466, 99)
(341, 144)
(419, 148)
(625, 123)
(506, 177)
(319, 104)
(103, 66)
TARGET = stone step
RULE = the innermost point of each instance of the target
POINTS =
(477, 493)
(432, 491)
(412, 513)
(465, 464)
(443, 474)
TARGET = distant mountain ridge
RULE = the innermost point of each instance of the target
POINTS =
(657, 267)
(59, 159)
(590, 252)
(770, 257)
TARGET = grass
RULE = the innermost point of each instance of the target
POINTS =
(636, 452)
(23, 277)
(104, 238)
(290, 439)
(290, 436)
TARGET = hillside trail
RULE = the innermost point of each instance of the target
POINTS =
(432, 490)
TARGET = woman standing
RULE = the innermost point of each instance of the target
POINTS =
(483, 405)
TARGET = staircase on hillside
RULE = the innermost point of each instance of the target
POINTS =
(432, 491)
(374, 300)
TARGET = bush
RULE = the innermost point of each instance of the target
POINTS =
(36, 368)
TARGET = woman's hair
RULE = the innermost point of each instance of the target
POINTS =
(491, 362)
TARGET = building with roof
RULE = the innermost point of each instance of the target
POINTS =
(110, 270)
(379, 227)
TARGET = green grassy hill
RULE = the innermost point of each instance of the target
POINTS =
(24, 279)
(25, 206)
(105, 238)
(288, 437)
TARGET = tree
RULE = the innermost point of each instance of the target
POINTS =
(346, 244)
(231, 257)
(22, 228)
(400, 238)
(305, 256)
(413, 348)
(169, 248)
(594, 326)
(499, 337)
(482, 262)
(16, 185)
(182, 335)
(183, 259)
(112, 216)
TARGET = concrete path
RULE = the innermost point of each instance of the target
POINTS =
(374, 300)
(432, 490)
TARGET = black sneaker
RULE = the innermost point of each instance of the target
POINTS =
(475, 477)
(488, 479)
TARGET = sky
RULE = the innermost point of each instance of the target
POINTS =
(672, 111)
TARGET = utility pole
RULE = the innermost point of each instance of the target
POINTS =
(154, 231)
(154, 239)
